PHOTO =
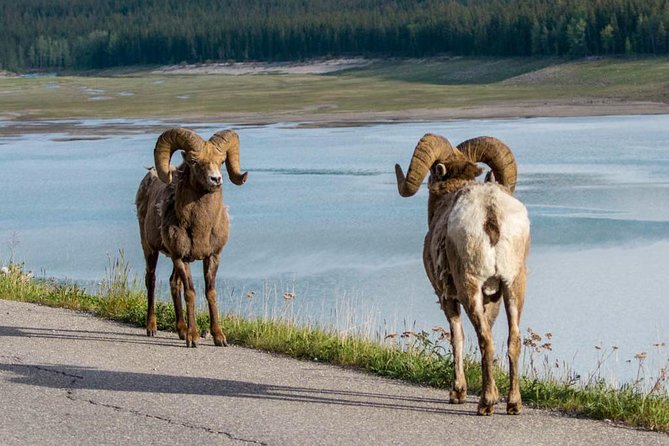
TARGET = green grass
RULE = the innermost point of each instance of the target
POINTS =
(414, 357)
(382, 87)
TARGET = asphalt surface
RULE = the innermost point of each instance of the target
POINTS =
(67, 377)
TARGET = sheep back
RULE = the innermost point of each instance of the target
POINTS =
(477, 233)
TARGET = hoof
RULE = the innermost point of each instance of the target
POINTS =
(150, 333)
(220, 342)
(192, 340)
(458, 396)
(514, 408)
(486, 410)
(182, 330)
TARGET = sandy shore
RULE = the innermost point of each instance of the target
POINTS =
(518, 109)
(16, 125)
(238, 68)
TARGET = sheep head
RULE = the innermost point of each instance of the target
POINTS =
(434, 154)
(497, 155)
(203, 157)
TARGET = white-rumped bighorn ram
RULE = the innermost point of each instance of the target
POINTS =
(475, 250)
(181, 213)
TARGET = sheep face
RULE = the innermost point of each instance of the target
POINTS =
(204, 170)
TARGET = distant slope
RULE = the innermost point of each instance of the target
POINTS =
(453, 70)
(432, 89)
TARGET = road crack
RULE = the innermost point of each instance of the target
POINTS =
(117, 408)
(70, 390)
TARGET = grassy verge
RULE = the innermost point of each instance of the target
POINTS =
(382, 89)
(414, 357)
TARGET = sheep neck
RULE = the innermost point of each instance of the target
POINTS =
(194, 205)
(443, 193)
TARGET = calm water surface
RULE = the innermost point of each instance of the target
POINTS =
(320, 216)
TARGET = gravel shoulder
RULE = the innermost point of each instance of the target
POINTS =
(70, 377)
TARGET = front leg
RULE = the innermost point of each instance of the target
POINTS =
(183, 271)
(210, 268)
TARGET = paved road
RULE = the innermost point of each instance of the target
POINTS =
(67, 377)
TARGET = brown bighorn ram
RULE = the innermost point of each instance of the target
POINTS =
(181, 213)
(475, 249)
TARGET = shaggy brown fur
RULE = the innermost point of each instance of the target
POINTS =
(186, 221)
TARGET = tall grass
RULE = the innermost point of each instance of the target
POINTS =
(421, 357)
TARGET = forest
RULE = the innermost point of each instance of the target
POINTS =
(94, 34)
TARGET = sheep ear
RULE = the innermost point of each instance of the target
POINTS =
(479, 171)
(440, 170)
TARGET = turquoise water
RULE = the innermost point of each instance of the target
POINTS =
(320, 215)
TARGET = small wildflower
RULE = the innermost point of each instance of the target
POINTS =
(250, 294)
(288, 295)
(443, 334)
(640, 356)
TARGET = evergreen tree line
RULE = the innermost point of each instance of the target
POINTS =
(85, 34)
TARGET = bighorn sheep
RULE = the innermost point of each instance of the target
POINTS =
(181, 213)
(475, 249)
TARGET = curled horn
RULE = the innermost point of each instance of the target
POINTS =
(429, 149)
(494, 153)
(227, 141)
(169, 142)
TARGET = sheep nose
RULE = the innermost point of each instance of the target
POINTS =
(215, 180)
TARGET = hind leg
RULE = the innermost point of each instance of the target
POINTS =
(514, 298)
(150, 281)
(475, 311)
(175, 289)
(452, 309)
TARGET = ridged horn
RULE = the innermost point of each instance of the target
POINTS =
(169, 142)
(429, 149)
(227, 141)
(494, 153)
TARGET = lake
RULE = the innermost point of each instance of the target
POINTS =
(320, 216)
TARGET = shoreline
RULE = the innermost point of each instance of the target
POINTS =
(18, 124)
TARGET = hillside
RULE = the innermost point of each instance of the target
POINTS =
(81, 34)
